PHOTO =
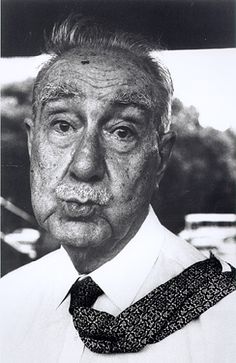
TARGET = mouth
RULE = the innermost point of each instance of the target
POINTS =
(73, 209)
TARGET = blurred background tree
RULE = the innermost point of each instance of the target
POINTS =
(201, 176)
(16, 107)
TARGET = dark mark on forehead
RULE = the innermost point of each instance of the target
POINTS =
(85, 62)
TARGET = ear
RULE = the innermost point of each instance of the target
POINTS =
(29, 125)
(166, 143)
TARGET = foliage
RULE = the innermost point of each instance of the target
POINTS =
(202, 171)
(15, 108)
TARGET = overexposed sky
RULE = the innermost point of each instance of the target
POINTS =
(203, 78)
(207, 80)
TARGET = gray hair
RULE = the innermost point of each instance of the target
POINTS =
(78, 32)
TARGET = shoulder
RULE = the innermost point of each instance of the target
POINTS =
(35, 269)
(22, 284)
(29, 295)
(184, 254)
(180, 251)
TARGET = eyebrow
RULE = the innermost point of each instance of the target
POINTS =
(136, 98)
(121, 97)
(63, 90)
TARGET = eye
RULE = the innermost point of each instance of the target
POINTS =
(62, 127)
(123, 132)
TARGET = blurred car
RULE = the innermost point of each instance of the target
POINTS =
(211, 232)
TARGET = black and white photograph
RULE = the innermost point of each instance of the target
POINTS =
(118, 181)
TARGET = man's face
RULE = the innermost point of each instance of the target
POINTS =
(95, 156)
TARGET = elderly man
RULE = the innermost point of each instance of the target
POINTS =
(121, 288)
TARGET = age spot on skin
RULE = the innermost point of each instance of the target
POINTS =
(85, 62)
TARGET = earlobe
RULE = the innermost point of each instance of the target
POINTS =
(29, 125)
(165, 147)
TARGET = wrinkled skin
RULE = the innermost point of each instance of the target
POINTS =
(92, 138)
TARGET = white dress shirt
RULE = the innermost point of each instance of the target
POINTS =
(37, 327)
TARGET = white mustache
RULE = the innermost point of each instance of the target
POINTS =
(83, 193)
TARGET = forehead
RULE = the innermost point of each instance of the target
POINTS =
(97, 75)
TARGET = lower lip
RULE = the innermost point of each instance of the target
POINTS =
(75, 210)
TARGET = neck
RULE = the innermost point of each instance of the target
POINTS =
(87, 260)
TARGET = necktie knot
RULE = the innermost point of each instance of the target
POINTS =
(84, 293)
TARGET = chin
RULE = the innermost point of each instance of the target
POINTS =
(80, 234)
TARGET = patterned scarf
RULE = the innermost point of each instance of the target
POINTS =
(166, 309)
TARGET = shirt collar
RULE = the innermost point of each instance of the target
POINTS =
(122, 277)
(65, 276)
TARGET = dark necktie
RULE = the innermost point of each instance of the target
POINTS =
(160, 313)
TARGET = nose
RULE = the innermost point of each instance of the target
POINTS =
(88, 162)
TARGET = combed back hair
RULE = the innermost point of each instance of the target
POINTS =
(77, 33)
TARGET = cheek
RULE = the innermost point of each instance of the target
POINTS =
(135, 179)
(47, 170)
(43, 168)
(47, 164)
